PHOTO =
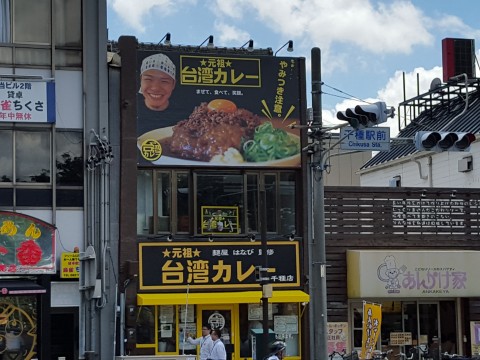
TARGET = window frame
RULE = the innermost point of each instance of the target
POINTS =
(63, 51)
(41, 195)
(250, 191)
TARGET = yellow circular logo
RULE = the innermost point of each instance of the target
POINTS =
(151, 150)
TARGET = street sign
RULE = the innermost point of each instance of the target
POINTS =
(367, 139)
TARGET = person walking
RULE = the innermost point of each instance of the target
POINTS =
(218, 350)
(205, 342)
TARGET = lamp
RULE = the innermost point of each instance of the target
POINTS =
(210, 238)
(453, 195)
(252, 237)
(289, 48)
(166, 38)
(169, 237)
(291, 237)
(210, 42)
(250, 45)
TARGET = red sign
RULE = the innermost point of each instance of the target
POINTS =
(27, 245)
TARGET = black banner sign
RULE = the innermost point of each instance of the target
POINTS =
(216, 265)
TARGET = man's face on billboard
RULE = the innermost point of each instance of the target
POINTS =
(156, 87)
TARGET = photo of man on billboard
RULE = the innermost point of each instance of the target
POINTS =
(157, 81)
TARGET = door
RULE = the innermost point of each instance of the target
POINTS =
(431, 325)
(221, 317)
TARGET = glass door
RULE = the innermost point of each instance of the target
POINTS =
(422, 320)
(221, 317)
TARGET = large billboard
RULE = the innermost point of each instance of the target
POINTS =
(197, 109)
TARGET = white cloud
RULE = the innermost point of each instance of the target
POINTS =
(136, 14)
(231, 34)
(396, 27)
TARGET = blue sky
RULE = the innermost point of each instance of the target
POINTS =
(366, 45)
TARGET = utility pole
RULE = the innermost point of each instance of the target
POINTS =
(263, 274)
(317, 256)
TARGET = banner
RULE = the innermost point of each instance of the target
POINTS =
(372, 322)
(209, 265)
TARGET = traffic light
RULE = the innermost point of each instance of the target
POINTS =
(443, 141)
(363, 116)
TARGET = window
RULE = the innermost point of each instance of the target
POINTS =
(68, 23)
(172, 197)
(32, 156)
(219, 190)
(27, 167)
(6, 146)
(69, 168)
(20, 316)
(26, 29)
(283, 320)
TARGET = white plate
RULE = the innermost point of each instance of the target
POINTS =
(162, 133)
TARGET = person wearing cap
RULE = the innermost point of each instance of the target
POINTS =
(277, 350)
(157, 81)
(205, 342)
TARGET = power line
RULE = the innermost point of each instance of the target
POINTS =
(351, 97)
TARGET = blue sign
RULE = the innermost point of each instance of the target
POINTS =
(367, 139)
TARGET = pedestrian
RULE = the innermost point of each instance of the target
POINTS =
(218, 350)
(205, 342)
(277, 350)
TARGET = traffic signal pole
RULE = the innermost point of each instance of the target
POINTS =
(317, 256)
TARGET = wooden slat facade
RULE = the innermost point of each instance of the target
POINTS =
(395, 218)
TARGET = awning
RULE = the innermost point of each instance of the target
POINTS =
(243, 297)
(8, 288)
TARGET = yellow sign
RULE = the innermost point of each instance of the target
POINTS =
(220, 220)
(372, 321)
(70, 266)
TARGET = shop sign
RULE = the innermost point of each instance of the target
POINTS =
(218, 109)
(400, 338)
(27, 101)
(475, 337)
(220, 220)
(415, 273)
(216, 265)
(337, 337)
(27, 245)
(70, 265)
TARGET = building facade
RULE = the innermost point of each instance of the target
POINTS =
(54, 118)
(428, 305)
(217, 206)
(414, 252)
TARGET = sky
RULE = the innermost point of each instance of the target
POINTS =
(367, 47)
